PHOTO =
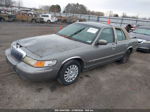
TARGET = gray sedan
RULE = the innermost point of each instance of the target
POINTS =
(76, 48)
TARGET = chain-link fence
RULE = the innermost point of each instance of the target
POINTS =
(114, 20)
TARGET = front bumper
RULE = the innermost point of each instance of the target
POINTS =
(28, 72)
(145, 47)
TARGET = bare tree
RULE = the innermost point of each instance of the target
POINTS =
(2, 2)
(97, 13)
(124, 15)
(19, 3)
(115, 15)
(45, 7)
(6, 3)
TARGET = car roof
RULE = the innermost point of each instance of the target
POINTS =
(95, 24)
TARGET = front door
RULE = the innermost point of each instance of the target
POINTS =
(103, 53)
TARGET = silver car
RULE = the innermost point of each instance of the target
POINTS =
(142, 34)
(76, 48)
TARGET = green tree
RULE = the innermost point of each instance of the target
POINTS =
(55, 8)
(75, 9)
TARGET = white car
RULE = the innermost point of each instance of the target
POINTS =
(48, 18)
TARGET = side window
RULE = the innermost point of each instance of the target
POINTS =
(108, 35)
(44, 15)
(120, 35)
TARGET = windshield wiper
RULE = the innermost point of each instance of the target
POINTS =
(77, 32)
(70, 37)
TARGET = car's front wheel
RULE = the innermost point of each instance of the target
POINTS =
(33, 21)
(69, 72)
(2, 19)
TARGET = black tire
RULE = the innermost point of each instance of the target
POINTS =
(126, 57)
(33, 21)
(2, 19)
(62, 78)
(49, 21)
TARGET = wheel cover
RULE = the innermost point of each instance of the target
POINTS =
(71, 73)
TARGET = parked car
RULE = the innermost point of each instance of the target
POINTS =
(76, 48)
(142, 33)
(24, 17)
(48, 18)
(7, 17)
(37, 19)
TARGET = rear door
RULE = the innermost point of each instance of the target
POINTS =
(122, 42)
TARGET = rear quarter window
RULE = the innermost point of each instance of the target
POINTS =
(120, 35)
(45, 16)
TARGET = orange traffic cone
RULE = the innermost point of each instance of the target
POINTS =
(61, 27)
(109, 21)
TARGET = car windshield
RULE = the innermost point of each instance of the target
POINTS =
(80, 32)
(142, 31)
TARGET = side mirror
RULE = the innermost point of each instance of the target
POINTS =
(102, 42)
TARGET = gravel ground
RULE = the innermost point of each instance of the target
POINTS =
(109, 86)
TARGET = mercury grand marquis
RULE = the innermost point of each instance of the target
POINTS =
(75, 48)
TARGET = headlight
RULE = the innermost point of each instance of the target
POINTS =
(141, 40)
(39, 64)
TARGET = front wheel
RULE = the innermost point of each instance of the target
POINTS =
(125, 58)
(33, 21)
(2, 19)
(69, 72)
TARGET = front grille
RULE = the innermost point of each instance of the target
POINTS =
(16, 54)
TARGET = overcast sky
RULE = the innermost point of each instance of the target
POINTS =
(130, 7)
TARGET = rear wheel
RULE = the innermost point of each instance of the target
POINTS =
(125, 58)
(49, 21)
(69, 72)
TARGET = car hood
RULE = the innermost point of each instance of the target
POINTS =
(49, 44)
(140, 36)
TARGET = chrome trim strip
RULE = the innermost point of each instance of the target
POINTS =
(106, 57)
(74, 57)
(143, 48)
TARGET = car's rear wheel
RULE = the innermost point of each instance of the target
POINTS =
(49, 21)
(126, 57)
(69, 72)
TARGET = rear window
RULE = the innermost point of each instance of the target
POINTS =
(45, 16)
